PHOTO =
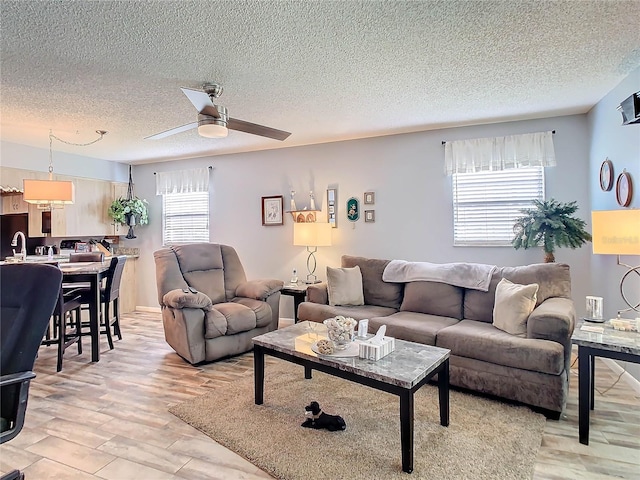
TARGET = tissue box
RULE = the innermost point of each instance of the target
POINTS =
(369, 351)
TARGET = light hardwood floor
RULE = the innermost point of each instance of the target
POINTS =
(109, 420)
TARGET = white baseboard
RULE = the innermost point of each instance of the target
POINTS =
(617, 369)
(140, 308)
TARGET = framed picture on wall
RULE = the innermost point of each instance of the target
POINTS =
(606, 175)
(624, 189)
(272, 208)
(369, 198)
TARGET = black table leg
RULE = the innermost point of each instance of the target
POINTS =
(307, 372)
(94, 318)
(258, 373)
(584, 390)
(592, 401)
(443, 393)
(406, 430)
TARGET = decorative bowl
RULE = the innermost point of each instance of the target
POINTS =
(340, 331)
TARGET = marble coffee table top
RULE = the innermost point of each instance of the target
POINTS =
(610, 339)
(405, 367)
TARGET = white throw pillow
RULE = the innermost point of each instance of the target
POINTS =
(344, 286)
(513, 305)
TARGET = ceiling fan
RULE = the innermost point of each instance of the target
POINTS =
(214, 121)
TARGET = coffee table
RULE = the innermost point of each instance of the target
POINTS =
(402, 372)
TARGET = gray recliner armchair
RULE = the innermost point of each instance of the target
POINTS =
(209, 309)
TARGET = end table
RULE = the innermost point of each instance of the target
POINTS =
(299, 293)
(617, 345)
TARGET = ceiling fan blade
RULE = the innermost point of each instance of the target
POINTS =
(173, 131)
(201, 101)
(255, 129)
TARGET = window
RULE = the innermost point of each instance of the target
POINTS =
(486, 204)
(185, 217)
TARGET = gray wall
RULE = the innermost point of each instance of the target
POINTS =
(413, 202)
(621, 144)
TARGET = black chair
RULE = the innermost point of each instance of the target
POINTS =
(109, 294)
(86, 257)
(66, 332)
(28, 295)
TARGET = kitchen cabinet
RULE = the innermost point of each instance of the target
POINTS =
(128, 286)
(14, 204)
(118, 190)
(87, 217)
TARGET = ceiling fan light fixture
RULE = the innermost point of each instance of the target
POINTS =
(212, 130)
(212, 127)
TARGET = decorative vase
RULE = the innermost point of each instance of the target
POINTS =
(340, 331)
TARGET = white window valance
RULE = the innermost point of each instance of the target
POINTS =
(499, 153)
(183, 181)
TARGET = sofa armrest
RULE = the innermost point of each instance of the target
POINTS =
(179, 299)
(259, 289)
(554, 319)
(318, 293)
(184, 331)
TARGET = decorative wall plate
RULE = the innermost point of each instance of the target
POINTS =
(353, 209)
(606, 175)
(624, 189)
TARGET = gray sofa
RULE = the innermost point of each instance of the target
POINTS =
(223, 313)
(533, 369)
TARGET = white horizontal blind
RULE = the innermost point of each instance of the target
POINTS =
(486, 204)
(185, 217)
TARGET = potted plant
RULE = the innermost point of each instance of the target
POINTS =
(550, 224)
(129, 211)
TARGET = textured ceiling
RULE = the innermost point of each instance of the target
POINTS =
(324, 71)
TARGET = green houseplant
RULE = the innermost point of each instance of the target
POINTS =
(550, 224)
(129, 211)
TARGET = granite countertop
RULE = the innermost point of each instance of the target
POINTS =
(610, 339)
(131, 253)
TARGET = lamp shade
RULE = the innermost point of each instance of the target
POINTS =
(616, 232)
(212, 130)
(312, 234)
(55, 192)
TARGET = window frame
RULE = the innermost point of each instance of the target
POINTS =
(204, 231)
(488, 200)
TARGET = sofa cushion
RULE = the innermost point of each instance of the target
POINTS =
(376, 292)
(434, 298)
(319, 312)
(411, 326)
(215, 324)
(261, 309)
(553, 279)
(344, 286)
(239, 317)
(201, 266)
(513, 305)
(483, 341)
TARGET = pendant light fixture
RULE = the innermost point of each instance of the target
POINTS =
(53, 193)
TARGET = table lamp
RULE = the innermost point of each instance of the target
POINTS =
(617, 232)
(312, 235)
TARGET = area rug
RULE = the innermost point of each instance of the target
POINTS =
(486, 439)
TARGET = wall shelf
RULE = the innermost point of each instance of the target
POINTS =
(303, 216)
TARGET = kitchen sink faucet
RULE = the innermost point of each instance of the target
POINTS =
(14, 243)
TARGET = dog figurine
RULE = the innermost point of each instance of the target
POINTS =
(317, 419)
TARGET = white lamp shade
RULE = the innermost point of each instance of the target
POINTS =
(54, 192)
(616, 232)
(212, 130)
(312, 234)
